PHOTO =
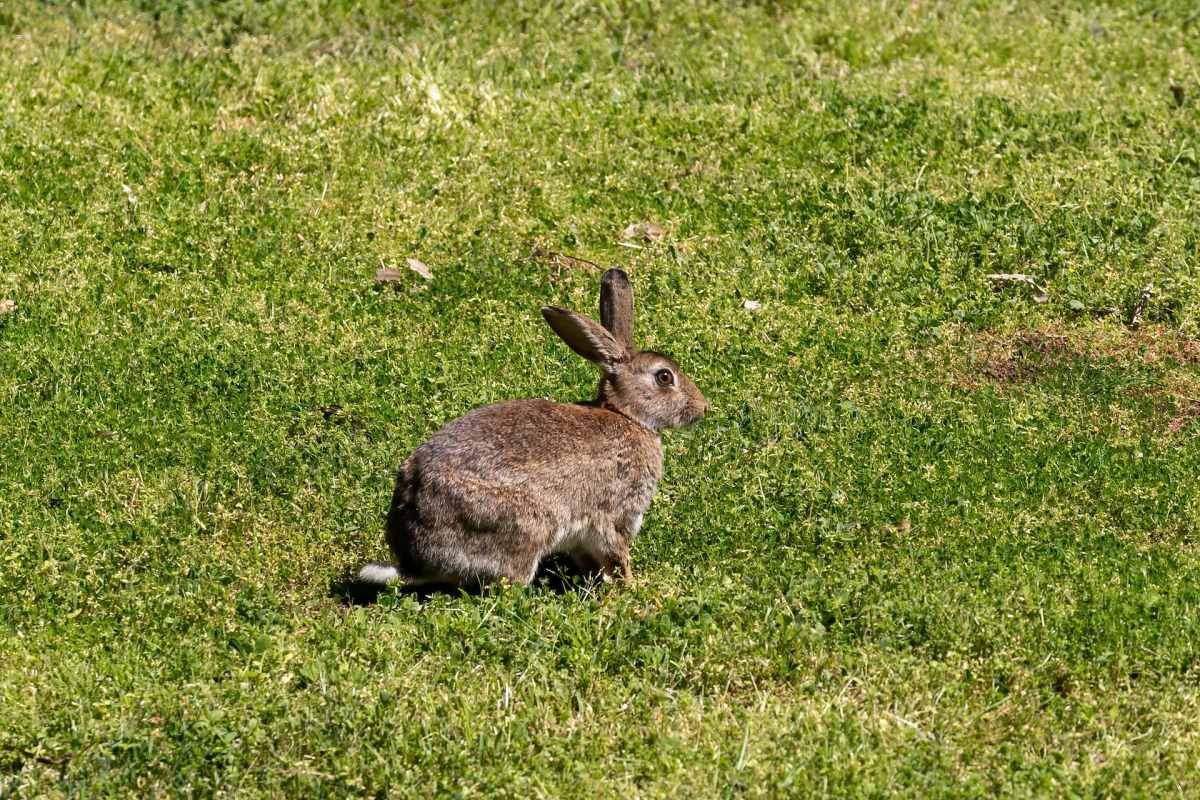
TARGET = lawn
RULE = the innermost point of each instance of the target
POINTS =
(936, 538)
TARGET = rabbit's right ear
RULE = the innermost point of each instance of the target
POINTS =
(616, 306)
(585, 337)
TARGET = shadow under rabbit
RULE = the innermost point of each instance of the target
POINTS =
(557, 574)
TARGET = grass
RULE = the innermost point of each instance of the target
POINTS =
(934, 540)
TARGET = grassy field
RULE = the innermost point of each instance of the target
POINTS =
(933, 540)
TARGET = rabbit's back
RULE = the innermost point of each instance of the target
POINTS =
(539, 442)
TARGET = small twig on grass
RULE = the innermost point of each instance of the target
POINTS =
(1135, 319)
(1000, 278)
(562, 261)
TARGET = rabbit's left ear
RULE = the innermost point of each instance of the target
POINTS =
(616, 306)
(585, 337)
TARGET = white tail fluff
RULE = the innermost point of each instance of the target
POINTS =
(376, 572)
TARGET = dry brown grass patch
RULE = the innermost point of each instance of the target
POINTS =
(1015, 358)
(1183, 393)
(1023, 356)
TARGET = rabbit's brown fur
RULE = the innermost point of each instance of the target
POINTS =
(494, 492)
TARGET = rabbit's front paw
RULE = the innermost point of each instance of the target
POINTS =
(617, 568)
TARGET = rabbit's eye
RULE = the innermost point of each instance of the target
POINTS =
(664, 377)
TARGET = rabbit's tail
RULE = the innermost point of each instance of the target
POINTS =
(379, 573)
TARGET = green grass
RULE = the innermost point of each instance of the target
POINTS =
(934, 540)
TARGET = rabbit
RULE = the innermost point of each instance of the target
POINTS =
(497, 490)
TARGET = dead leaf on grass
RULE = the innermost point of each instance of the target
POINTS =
(643, 231)
(388, 275)
(419, 267)
(392, 275)
(7, 306)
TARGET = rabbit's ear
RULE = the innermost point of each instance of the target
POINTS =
(585, 337)
(616, 306)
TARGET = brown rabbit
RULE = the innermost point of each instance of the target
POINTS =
(497, 490)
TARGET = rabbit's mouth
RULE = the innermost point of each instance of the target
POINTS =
(694, 416)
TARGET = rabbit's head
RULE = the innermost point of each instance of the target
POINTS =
(646, 386)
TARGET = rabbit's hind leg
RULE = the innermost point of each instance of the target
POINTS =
(479, 558)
